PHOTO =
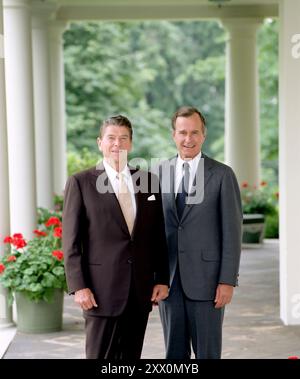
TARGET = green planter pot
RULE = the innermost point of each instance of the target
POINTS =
(39, 317)
(253, 229)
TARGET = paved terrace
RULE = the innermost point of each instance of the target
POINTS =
(252, 327)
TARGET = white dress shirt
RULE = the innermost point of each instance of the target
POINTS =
(193, 163)
(113, 177)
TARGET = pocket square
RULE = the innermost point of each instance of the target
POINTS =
(151, 198)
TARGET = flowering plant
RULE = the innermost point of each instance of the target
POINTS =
(34, 267)
(258, 199)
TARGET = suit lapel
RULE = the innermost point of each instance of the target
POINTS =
(168, 185)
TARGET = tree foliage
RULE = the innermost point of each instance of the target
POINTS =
(146, 70)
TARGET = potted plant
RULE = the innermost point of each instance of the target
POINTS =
(33, 272)
(257, 204)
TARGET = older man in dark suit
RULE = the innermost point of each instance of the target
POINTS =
(203, 220)
(115, 247)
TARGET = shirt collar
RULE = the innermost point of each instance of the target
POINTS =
(192, 162)
(113, 173)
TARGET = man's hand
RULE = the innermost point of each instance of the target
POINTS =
(160, 292)
(223, 295)
(85, 299)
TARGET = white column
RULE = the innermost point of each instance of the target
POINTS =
(20, 121)
(58, 108)
(5, 311)
(242, 148)
(289, 158)
(42, 105)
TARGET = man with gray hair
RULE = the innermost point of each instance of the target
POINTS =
(204, 241)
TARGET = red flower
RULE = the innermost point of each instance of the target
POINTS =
(8, 239)
(11, 258)
(19, 243)
(263, 183)
(58, 254)
(53, 221)
(245, 185)
(18, 236)
(293, 357)
(39, 233)
(2, 268)
(57, 232)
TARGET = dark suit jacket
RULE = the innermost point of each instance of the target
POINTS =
(99, 252)
(206, 242)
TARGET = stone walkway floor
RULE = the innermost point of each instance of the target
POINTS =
(252, 327)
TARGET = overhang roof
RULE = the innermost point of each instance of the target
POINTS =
(164, 9)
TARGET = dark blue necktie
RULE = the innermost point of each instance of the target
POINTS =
(183, 190)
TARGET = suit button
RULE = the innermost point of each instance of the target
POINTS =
(180, 228)
(129, 260)
(181, 251)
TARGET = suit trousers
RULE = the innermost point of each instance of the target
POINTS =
(187, 322)
(118, 337)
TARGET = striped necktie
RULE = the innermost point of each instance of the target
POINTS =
(183, 190)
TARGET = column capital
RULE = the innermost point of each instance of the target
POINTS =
(17, 4)
(42, 13)
(57, 28)
(245, 26)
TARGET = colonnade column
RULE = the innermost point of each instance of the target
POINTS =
(58, 108)
(289, 158)
(5, 310)
(42, 104)
(20, 117)
(242, 147)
